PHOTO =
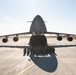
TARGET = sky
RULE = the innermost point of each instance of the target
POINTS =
(59, 14)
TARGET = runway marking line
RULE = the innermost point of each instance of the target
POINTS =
(25, 69)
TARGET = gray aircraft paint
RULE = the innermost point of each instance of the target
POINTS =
(38, 25)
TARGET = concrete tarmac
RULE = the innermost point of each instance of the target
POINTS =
(12, 61)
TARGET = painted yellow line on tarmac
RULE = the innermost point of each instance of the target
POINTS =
(25, 69)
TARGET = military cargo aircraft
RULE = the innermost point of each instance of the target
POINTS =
(38, 41)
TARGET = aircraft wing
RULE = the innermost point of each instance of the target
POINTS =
(24, 33)
(17, 34)
(57, 33)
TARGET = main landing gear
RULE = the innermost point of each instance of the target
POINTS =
(39, 50)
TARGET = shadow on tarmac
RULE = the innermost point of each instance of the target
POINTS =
(48, 64)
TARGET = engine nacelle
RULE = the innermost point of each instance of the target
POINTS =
(5, 39)
(15, 39)
(70, 38)
(59, 37)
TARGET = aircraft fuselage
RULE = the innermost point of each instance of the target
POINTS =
(38, 41)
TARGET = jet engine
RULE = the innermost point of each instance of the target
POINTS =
(70, 38)
(5, 39)
(15, 39)
(59, 37)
